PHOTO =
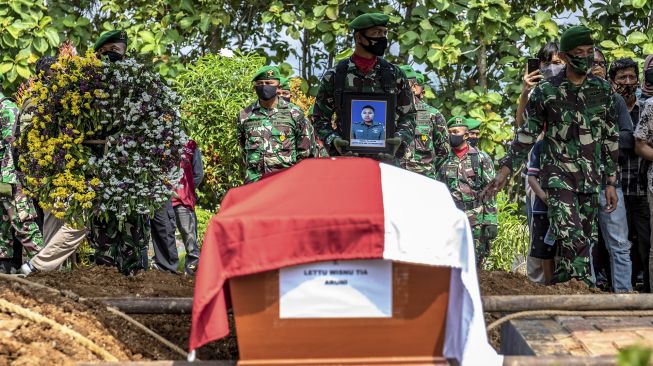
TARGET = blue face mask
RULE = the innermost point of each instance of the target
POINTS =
(638, 93)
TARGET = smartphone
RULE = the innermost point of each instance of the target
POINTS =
(533, 64)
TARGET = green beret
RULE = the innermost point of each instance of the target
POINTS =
(409, 71)
(473, 124)
(457, 121)
(420, 78)
(284, 83)
(575, 36)
(267, 73)
(114, 36)
(369, 20)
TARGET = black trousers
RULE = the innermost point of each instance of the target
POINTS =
(639, 232)
(163, 237)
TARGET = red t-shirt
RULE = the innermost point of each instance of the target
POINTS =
(186, 191)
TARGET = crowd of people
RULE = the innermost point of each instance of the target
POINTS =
(583, 145)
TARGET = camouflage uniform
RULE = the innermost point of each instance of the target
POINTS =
(18, 212)
(274, 139)
(466, 178)
(356, 81)
(580, 143)
(430, 147)
(126, 247)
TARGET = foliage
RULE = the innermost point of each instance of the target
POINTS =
(101, 140)
(637, 355)
(299, 98)
(511, 243)
(214, 90)
(203, 218)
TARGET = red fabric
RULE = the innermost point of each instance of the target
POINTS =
(461, 152)
(186, 193)
(318, 210)
(363, 64)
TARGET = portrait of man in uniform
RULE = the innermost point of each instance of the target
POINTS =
(368, 122)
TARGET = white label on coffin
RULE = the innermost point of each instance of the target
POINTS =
(336, 289)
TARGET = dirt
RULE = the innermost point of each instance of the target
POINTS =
(105, 281)
(25, 342)
(131, 344)
(507, 283)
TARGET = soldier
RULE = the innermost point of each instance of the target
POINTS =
(429, 148)
(284, 93)
(489, 221)
(365, 72)
(17, 209)
(467, 172)
(578, 116)
(112, 44)
(126, 247)
(273, 134)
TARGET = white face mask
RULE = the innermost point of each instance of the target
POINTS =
(551, 70)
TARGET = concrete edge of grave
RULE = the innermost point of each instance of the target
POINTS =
(159, 363)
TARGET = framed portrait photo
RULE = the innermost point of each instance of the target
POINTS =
(368, 120)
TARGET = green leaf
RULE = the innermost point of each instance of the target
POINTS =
(638, 4)
(6, 66)
(425, 24)
(188, 6)
(647, 49)
(186, 22)
(12, 74)
(288, 17)
(205, 23)
(332, 12)
(541, 16)
(494, 98)
(609, 44)
(13, 31)
(147, 36)
(310, 24)
(319, 11)
(636, 38)
(419, 51)
(409, 37)
(148, 48)
(267, 17)
(40, 45)
(24, 54)
(344, 54)
(23, 71)
(52, 36)
(524, 21)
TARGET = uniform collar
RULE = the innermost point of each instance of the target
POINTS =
(281, 104)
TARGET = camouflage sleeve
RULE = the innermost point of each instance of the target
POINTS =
(305, 138)
(489, 206)
(406, 112)
(240, 135)
(9, 113)
(440, 139)
(526, 136)
(610, 133)
(324, 108)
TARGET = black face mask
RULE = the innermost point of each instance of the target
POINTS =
(473, 141)
(456, 140)
(376, 45)
(113, 56)
(287, 99)
(648, 76)
(266, 92)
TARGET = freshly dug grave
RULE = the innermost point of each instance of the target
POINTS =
(26, 342)
(106, 281)
(507, 283)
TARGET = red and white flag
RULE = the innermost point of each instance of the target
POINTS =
(339, 209)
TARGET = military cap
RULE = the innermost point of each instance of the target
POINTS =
(473, 124)
(267, 73)
(420, 78)
(457, 121)
(409, 71)
(575, 36)
(114, 36)
(284, 83)
(369, 20)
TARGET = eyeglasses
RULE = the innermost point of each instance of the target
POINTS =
(601, 63)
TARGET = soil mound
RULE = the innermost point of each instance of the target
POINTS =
(105, 281)
(507, 283)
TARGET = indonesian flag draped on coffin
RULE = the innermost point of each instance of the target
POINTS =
(339, 209)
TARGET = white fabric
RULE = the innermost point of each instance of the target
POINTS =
(422, 225)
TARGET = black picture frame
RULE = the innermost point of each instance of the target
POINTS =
(364, 136)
